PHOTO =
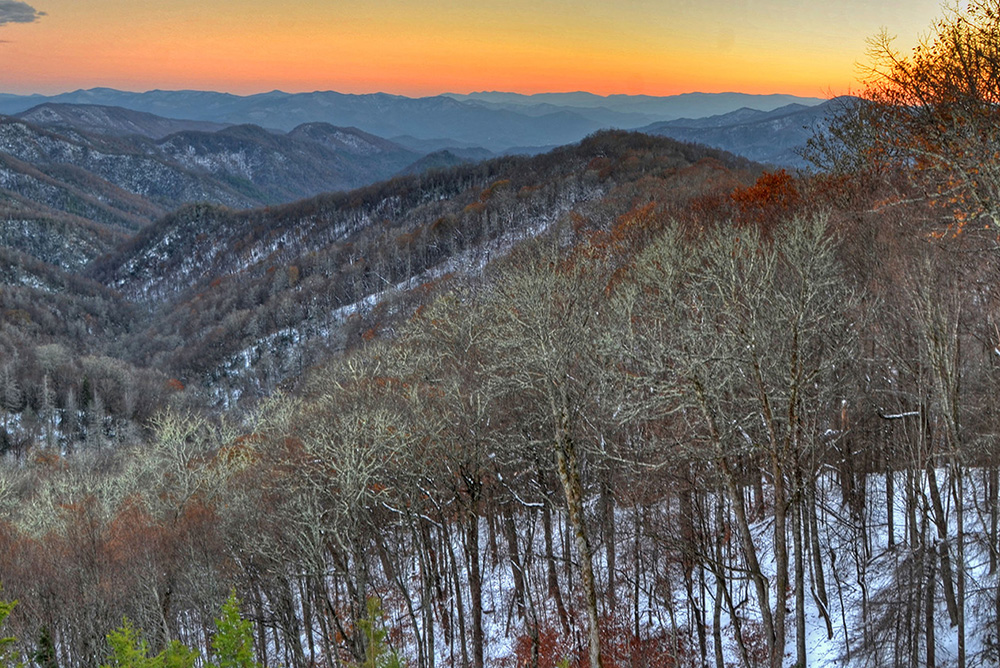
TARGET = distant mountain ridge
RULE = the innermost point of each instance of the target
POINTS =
(101, 179)
(663, 108)
(277, 167)
(773, 137)
(107, 155)
(495, 121)
(114, 121)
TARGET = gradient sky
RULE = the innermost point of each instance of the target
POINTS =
(424, 47)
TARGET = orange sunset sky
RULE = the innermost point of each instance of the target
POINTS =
(425, 47)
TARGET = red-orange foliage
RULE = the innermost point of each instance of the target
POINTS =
(598, 164)
(243, 448)
(489, 192)
(131, 535)
(442, 225)
(408, 240)
(49, 459)
(767, 201)
(474, 208)
(629, 234)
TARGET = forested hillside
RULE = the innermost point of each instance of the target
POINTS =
(101, 164)
(670, 394)
(628, 403)
(114, 121)
(239, 301)
(228, 304)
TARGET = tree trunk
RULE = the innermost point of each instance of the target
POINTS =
(742, 524)
(958, 488)
(941, 522)
(890, 505)
(552, 576)
(717, 624)
(758, 492)
(475, 586)
(819, 579)
(800, 576)
(930, 556)
(514, 556)
(638, 566)
(781, 563)
(456, 582)
(720, 585)
(569, 475)
(608, 516)
(993, 486)
(750, 554)
(425, 562)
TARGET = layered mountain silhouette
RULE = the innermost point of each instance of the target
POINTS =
(773, 137)
(632, 108)
(495, 121)
(96, 172)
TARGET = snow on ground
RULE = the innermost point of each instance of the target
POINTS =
(665, 607)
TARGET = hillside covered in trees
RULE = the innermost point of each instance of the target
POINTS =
(592, 422)
(628, 403)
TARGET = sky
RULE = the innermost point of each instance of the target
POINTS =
(426, 47)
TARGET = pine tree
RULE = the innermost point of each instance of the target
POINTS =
(378, 654)
(129, 650)
(232, 645)
(177, 655)
(45, 654)
(7, 654)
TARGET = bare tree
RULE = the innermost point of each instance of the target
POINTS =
(743, 339)
(546, 357)
(931, 117)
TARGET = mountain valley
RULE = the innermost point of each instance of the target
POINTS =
(466, 408)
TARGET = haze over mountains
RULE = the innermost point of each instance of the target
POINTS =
(77, 181)
(495, 121)
(694, 105)
(772, 137)
(95, 173)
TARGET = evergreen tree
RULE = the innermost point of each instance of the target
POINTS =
(129, 650)
(177, 655)
(45, 654)
(378, 654)
(232, 645)
(7, 655)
